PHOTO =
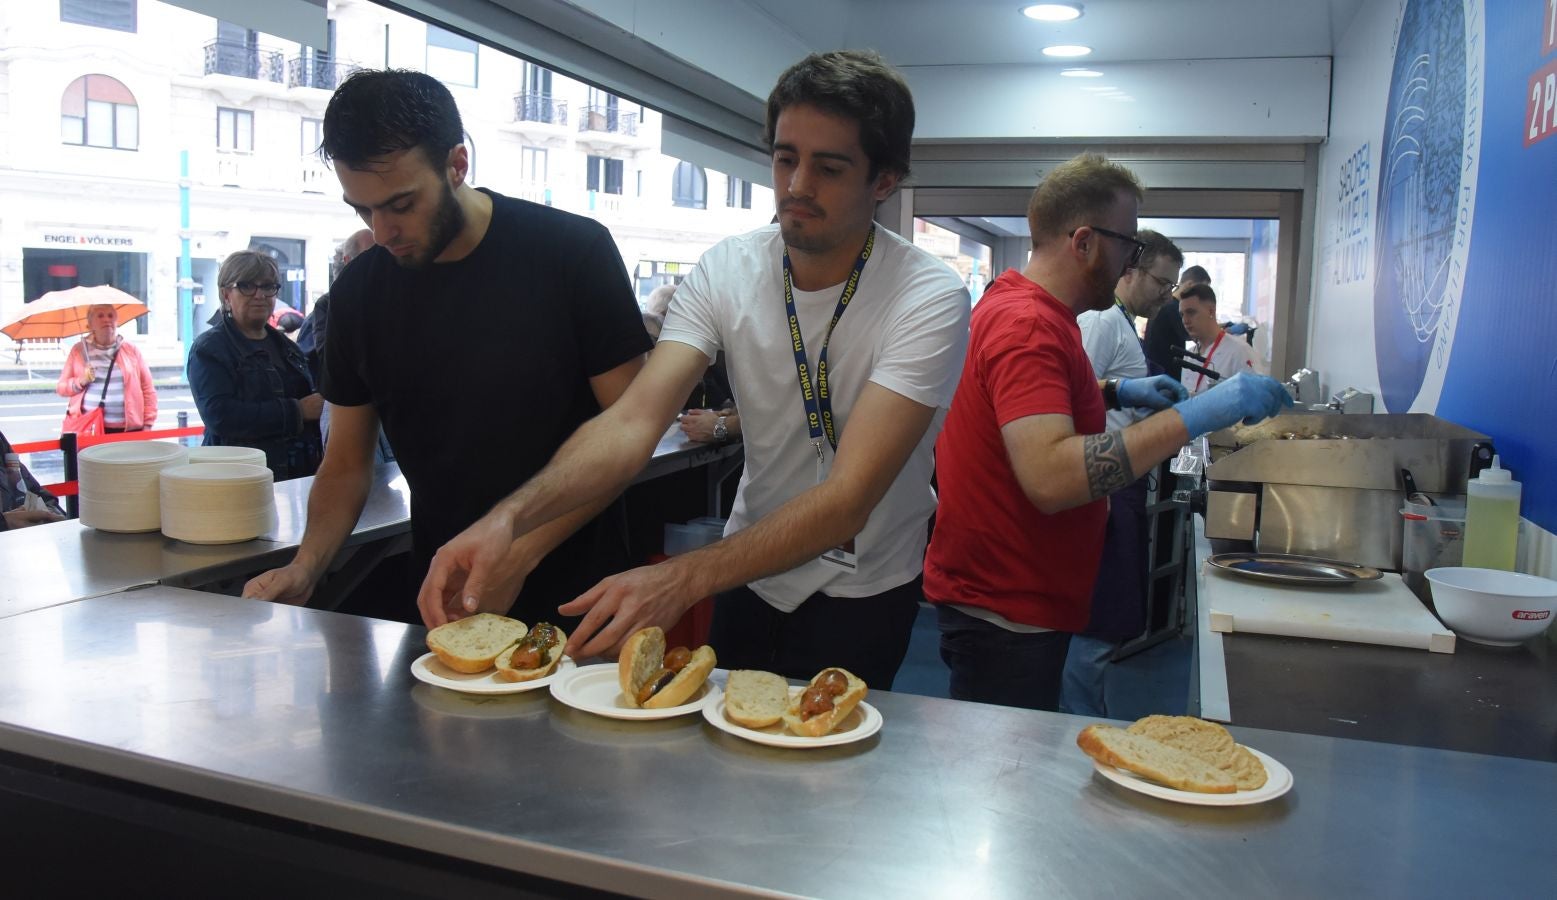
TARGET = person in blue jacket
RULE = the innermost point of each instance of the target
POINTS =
(252, 384)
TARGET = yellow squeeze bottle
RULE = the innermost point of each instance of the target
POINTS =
(1492, 519)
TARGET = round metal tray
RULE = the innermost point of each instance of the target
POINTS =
(1289, 568)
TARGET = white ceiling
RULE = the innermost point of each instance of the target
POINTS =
(960, 32)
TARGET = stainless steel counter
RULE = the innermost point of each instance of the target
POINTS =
(314, 717)
(386, 513)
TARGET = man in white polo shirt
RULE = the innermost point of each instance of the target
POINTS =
(1226, 354)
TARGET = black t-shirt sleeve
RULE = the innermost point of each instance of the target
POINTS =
(606, 318)
(342, 381)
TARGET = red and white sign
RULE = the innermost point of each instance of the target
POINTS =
(1532, 615)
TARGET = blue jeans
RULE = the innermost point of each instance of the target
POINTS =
(992, 665)
(1086, 664)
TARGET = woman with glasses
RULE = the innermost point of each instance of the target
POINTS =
(251, 383)
(106, 370)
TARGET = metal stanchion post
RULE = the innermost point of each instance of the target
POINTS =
(67, 446)
(183, 422)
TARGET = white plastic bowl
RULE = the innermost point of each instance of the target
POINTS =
(1490, 606)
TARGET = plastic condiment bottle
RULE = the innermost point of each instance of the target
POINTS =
(1492, 519)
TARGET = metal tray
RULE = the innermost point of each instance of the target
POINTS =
(1289, 568)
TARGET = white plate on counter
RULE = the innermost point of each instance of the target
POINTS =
(430, 670)
(597, 689)
(1278, 780)
(863, 722)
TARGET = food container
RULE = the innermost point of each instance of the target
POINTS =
(248, 456)
(119, 484)
(1434, 538)
(697, 533)
(1491, 606)
(217, 503)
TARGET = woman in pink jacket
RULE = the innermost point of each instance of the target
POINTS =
(105, 369)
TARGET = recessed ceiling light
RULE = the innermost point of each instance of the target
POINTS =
(1066, 50)
(1052, 12)
(1080, 73)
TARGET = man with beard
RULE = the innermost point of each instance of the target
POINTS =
(480, 330)
(1025, 464)
(843, 342)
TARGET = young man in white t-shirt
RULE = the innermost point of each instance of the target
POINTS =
(1226, 354)
(821, 561)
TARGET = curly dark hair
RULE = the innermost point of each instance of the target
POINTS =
(859, 85)
(376, 112)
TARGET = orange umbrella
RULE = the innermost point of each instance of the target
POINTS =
(62, 314)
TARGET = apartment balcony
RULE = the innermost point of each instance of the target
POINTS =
(540, 108)
(261, 172)
(608, 120)
(242, 60)
(317, 72)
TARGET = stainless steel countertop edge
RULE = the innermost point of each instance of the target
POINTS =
(1214, 702)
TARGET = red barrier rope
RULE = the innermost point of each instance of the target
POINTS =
(72, 488)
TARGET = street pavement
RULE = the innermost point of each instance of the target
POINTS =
(37, 417)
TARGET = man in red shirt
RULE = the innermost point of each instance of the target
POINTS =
(1024, 463)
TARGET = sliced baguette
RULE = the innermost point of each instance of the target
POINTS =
(472, 645)
(755, 699)
(843, 704)
(643, 656)
(1152, 759)
(506, 671)
(1208, 741)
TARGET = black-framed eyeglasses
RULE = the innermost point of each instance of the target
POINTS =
(1167, 286)
(1137, 248)
(263, 288)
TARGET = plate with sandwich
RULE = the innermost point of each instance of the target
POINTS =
(646, 682)
(492, 654)
(1185, 760)
(764, 708)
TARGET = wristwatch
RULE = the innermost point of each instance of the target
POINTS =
(1111, 394)
(721, 432)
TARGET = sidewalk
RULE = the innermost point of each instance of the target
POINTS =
(15, 380)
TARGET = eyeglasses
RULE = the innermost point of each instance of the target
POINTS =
(250, 288)
(1167, 286)
(1137, 248)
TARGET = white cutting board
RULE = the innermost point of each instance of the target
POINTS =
(1375, 612)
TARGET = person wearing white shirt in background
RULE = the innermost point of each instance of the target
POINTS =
(1226, 354)
(1119, 595)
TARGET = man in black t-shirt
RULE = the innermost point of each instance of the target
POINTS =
(1165, 330)
(480, 330)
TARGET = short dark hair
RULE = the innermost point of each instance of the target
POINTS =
(1197, 274)
(1201, 292)
(246, 265)
(1076, 191)
(376, 112)
(858, 85)
(1157, 246)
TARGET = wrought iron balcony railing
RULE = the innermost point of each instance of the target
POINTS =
(243, 61)
(608, 119)
(534, 106)
(318, 72)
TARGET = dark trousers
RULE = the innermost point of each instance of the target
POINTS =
(992, 665)
(866, 635)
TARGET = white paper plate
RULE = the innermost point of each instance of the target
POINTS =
(1278, 781)
(863, 722)
(428, 668)
(597, 689)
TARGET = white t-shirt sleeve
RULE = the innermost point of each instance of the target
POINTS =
(693, 316)
(923, 349)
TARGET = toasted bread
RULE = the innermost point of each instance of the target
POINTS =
(755, 699)
(507, 672)
(1208, 741)
(843, 704)
(643, 655)
(473, 644)
(1153, 759)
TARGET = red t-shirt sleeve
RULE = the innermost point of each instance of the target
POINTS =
(1027, 371)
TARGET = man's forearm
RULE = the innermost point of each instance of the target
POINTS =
(1090, 466)
(334, 505)
(534, 545)
(589, 469)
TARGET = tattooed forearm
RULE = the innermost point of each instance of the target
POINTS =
(1108, 465)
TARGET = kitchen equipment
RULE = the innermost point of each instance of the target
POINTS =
(217, 503)
(1287, 568)
(1434, 536)
(119, 484)
(1492, 519)
(1352, 402)
(1413, 495)
(1491, 606)
(1328, 485)
(1374, 612)
(1305, 388)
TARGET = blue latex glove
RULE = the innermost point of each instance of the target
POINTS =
(1155, 392)
(1245, 397)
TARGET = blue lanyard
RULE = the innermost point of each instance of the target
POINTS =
(818, 403)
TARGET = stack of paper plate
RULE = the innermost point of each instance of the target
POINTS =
(217, 503)
(246, 455)
(119, 484)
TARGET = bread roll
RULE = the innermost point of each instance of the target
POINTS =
(824, 723)
(507, 672)
(755, 699)
(1152, 759)
(643, 656)
(1208, 741)
(472, 645)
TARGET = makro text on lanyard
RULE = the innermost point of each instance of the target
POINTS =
(818, 403)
